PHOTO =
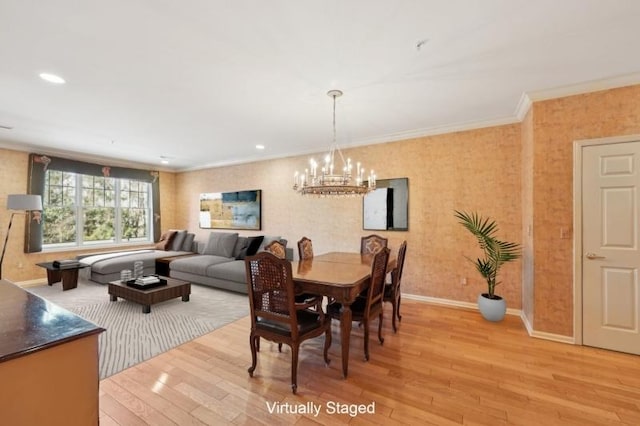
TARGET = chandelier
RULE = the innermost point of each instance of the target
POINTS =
(330, 180)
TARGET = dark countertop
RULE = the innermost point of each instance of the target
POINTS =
(29, 323)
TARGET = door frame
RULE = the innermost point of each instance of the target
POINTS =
(578, 146)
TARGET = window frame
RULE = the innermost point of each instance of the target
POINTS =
(37, 168)
(79, 209)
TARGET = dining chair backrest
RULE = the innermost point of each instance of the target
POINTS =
(276, 248)
(305, 248)
(402, 251)
(378, 276)
(271, 290)
(372, 243)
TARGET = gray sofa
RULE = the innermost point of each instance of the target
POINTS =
(220, 262)
(106, 267)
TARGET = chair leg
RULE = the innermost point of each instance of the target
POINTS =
(294, 367)
(380, 317)
(258, 343)
(366, 340)
(279, 347)
(393, 315)
(327, 345)
(398, 309)
(253, 342)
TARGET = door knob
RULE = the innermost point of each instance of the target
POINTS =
(592, 256)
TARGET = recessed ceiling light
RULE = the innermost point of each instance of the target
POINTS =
(259, 146)
(164, 159)
(52, 78)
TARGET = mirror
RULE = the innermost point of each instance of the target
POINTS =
(387, 207)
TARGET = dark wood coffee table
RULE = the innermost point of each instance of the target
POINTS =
(174, 288)
(68, 275)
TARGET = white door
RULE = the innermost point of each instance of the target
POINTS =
(610, 255)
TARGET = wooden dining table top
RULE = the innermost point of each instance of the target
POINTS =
(335, 268)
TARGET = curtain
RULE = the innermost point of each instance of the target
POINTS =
(39, 164)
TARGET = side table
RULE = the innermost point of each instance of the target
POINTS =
(68, 275)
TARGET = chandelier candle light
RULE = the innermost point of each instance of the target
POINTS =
(330, 182)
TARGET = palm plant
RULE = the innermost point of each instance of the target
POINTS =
(496, 252)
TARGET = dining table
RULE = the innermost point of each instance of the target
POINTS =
(340, 276)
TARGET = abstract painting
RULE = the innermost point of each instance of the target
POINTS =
(231, 210)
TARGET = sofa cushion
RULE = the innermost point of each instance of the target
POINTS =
(251, 247)
(232, 271)
(187, 245)
(197, 264)
(221, 244)
(178, 239)
(164, 243)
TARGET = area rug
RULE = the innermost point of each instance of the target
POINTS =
(133, 337)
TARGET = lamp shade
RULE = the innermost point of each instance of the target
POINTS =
(24, 202)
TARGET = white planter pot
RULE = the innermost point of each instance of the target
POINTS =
(492, 309)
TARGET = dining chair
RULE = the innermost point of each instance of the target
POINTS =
(276, 248)
(365, 308)
(392, 289)
(305, 248)
(276, 316)
(372, 243)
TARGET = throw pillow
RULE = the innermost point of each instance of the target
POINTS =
(240, 244)
(221, 244)
(187, 245)
(178, 239)
(251, 248)
(165, 240)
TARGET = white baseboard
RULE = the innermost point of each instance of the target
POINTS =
(453, 303)
(517, 312)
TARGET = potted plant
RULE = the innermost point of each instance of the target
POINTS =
(496, 253)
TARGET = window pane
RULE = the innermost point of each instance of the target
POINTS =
(59, 225)
(134, 224)
(59, 219)
(135, 210)
(99, 224)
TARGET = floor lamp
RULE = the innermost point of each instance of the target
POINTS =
(22, 203)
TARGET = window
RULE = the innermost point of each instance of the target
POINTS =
(82, 210)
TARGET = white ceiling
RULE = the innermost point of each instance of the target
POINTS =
(203, 81)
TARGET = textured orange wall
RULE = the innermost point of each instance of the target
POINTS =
(557, 123)
(474, 170)
(20, 266)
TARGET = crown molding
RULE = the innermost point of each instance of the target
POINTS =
(524, 104)
(35, 149)
(585, 87)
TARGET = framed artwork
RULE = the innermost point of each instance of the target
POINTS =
(231, 210)
(387, 207)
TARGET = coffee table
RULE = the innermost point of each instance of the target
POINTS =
(68, 275)
(146, 298)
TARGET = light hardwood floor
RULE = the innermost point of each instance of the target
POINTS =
(444, 366)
